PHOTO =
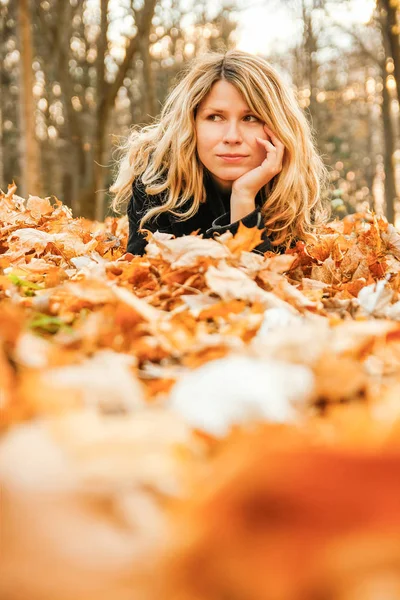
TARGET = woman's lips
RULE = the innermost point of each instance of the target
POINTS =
(232, 157)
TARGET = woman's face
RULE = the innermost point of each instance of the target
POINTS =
(226, 131)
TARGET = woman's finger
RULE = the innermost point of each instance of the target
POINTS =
(267, 144)
(276, 141)
(270, 146)
(277, 146)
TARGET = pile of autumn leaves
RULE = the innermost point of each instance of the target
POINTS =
(66, 289)
(121, 376)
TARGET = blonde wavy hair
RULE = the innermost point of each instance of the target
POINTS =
(164, 153)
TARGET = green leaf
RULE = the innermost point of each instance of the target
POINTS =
(48, 323)
(27, 287)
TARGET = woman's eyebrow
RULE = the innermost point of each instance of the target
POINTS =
(222, 110)
(212, 109)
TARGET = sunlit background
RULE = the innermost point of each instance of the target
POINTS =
(263, 29)
(200, 422)
(73, 83)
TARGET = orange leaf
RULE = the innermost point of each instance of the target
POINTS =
(245, 240)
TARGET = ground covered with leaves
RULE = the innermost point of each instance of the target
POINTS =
(202, 403)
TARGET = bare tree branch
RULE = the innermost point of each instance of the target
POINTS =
(143, 20)
(361, 44)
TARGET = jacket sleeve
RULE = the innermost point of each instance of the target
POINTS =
(253, 219)
(138, 205)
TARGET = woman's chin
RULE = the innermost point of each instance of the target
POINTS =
(231, 174)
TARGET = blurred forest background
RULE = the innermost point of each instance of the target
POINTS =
(76, 74)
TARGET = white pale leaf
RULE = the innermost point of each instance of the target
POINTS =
(375, 298)
(230, 283)
(277, 318)
(104, 380)
(237, 390)
(392, 238)
(186, 250)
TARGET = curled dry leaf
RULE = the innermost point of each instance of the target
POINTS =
(230, 283)
(184, 251)
(376, 298)
(38, 207)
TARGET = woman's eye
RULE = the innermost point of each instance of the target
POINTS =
(214, 117)
(251, 118)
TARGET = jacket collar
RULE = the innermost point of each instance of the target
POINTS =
(218, 202)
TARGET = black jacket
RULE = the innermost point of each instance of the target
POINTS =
(212, 217)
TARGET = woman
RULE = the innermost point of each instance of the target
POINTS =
(231, 146)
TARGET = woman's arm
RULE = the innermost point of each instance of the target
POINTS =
(253, 219)
(136, 242)
(139, 204)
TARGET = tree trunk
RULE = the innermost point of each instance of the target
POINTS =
(2, 182)
(30, 151)
(149, 99)
(389, 141)
(391, 27)
(101, 117)
(370, 170)
(144, 19)
(310, 47)
(389, 148)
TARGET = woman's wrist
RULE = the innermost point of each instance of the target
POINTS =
(241, 205)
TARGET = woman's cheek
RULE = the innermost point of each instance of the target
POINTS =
(205, 137)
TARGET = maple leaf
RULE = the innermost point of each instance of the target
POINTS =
(38, 207)
(230, 283)
(322, 249)
(354, 264)
(106, 242)
(280, 263)
(369, 239)
(251, 263)
(184, 251)
(340, 248)
(245, 239)
(327, 272)
(30, 239)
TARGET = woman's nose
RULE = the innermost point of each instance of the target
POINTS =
(232, 133)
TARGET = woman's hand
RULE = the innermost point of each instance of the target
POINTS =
(251, 182)
(246, 188)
